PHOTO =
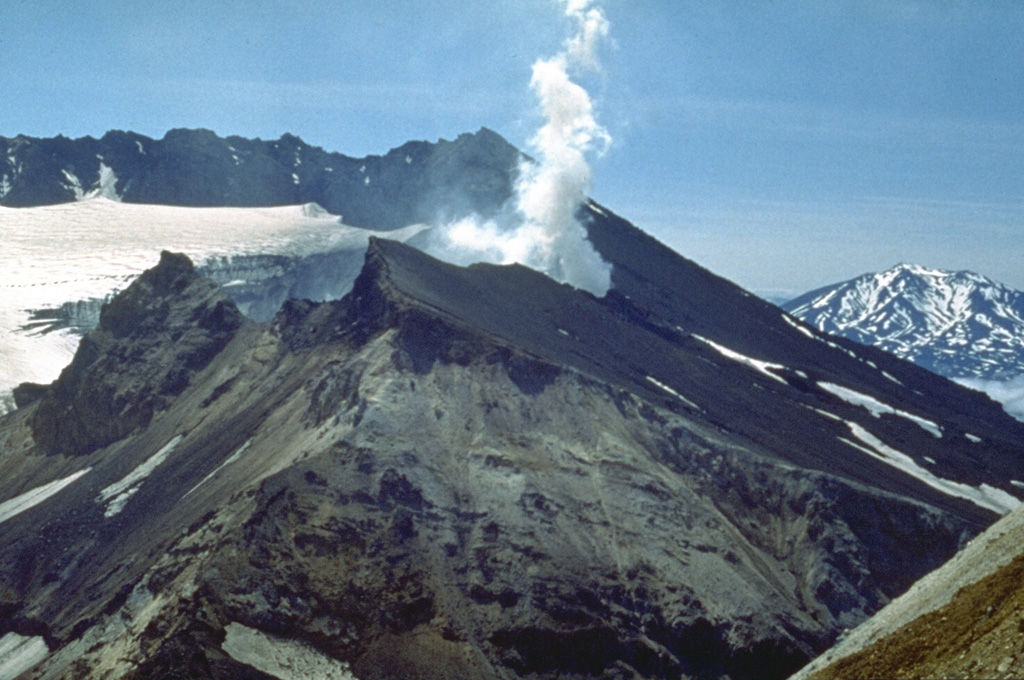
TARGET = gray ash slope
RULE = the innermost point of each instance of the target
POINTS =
(957, 324)
(474, 473)
(416, 182)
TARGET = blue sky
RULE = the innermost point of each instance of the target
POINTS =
(784, 145)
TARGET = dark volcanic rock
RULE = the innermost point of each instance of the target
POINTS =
(416, 182)
(166, 326)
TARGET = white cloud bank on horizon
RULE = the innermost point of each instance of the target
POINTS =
(541, 231)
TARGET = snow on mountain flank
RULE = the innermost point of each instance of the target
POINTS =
(876, 407)
(34, 497)
(93, 248)
(117, 495)
(657, 383)
(984, 496)
(18, 654)
(74, 184)
(958, 324)
(756, 364)
(107, 184)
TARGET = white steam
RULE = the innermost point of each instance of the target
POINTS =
(542, 231)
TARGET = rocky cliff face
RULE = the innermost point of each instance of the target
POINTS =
(473, 473)
(416, 182)
(961, 621)
(141, 356)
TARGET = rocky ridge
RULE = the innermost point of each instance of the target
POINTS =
(415, 182)
(468, 473)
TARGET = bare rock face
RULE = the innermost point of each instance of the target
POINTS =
(164, 328)
(416, 182)
(961, 621)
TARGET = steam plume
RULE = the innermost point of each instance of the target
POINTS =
(544, 233)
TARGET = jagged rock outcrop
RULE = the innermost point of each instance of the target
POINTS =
(471, 472)
(143, 353)
(416, 182)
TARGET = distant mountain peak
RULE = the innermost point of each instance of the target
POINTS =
(960, 324)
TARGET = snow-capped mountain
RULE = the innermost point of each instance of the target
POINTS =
(957, 324)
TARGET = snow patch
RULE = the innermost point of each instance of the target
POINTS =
(74, 184)
(877, 408)
(141, 149)
(888, 376)
(106, 186)
(666, 388)
(116, 495)
(758, 365)
(973, 438)
(799, 326)
(984, 496)
(281, 657)
(34, 497)
(19, 654)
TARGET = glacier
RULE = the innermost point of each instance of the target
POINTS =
(60, 263)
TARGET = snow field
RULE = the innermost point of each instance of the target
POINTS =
(117, 495)
(34, 497)
(984, 496)
(877, 408)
